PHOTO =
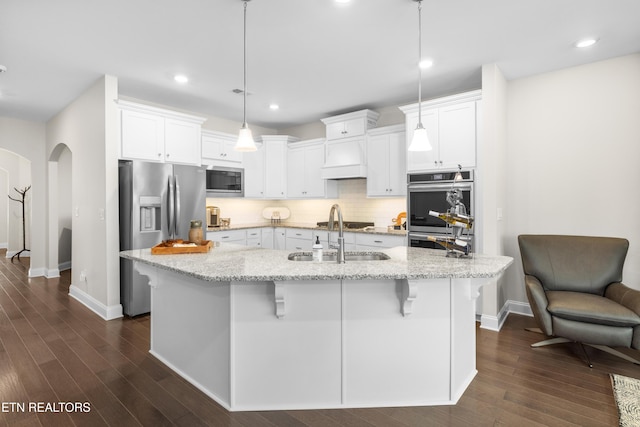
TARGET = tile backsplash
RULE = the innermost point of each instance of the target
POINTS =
(351, 197)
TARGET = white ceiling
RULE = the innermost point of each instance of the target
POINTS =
(313, 57)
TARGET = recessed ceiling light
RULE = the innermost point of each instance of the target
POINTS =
(343, 1)
(586, 43)
(274, 107)
(181, 78)
(425, 63)
(3, 69)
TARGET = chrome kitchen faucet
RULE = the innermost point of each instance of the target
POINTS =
(340, 245)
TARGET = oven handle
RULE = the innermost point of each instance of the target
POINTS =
(440, 187)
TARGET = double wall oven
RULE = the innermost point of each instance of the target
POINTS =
(428, 192)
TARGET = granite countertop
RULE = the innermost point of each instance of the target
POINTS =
(229, 262)
(368, 230)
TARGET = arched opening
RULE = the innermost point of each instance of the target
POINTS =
(60, 210)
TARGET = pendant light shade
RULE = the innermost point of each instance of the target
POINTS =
(245, 138)
(420, 140)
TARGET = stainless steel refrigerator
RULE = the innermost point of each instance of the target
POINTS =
(157, 202)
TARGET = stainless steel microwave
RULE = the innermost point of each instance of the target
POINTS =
(225, 182)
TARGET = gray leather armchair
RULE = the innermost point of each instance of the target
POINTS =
(574, 287)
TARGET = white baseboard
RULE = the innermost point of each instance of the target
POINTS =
(52, 273)
(106, 312)
(25, 254)
(4, 245)
(494, 323)
(36, 272)
(63, 266)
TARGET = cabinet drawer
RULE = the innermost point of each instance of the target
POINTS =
(380, 241)
(297, 233)
(228, 236)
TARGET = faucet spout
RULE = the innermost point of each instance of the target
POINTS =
(340, 247)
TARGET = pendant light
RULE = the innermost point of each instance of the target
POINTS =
(420, 140)
(245, 138)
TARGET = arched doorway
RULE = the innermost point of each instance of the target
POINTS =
(60, 210)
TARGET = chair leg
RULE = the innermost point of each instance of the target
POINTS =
(615, 353)
(586, 355)
(537, 330)
(557, 340)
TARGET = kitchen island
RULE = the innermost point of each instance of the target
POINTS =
(257, 331)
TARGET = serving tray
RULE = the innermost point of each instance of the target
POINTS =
(171, 247)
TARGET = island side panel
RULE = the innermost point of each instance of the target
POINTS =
(288, 362)
(464, 293)
(391, 359)
(190, 331)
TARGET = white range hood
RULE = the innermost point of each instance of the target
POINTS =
(345, 149)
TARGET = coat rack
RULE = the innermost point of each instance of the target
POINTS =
(24, 233)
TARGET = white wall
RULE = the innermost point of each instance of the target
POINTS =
(65, 224)
(27, 140)
(88, 126)
(572, 159)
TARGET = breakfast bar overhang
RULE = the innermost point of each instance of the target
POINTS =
(256, 331)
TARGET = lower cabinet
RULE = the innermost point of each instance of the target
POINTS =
(298, 239)
(238, 237)
(254, 237)
(365, 242)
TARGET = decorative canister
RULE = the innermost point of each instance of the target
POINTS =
(195, 231)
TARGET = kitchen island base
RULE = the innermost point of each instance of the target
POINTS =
(311, 344)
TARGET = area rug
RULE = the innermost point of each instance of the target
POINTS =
(626, 392)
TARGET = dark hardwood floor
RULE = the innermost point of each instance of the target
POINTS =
(53, 349)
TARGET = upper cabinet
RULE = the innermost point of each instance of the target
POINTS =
(158, 135)
(451, 126)
(266, 169)
(345, 151)
(218, 149)
(304, 163)
(386, 162)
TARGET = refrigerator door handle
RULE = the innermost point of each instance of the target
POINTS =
(170, 209)
(177, 204)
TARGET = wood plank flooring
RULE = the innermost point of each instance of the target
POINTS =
(53, 349)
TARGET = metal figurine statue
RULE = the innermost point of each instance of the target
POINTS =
(459, 223)
(22, 193)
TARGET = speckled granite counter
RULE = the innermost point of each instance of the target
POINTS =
(228, 262)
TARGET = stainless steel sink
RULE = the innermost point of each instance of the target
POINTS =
(333, 257)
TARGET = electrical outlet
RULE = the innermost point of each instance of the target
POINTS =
(499, 214)
(83, 276)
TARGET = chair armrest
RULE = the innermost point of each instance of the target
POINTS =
(624, 295)
(538, 302)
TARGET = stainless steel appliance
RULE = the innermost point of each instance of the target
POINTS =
(157, 202)
(428, 192)
(213, 216)
(225, 182)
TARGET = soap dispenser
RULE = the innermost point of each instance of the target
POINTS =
(317, 250)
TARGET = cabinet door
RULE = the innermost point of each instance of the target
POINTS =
(417, 161)
(267, 240)
(397, 164)
(142, 136)
(279, 239)
(182, 142)
(254, 173)
(296, 173)
(219, 151)
(315, 186)
(457, 133)
(275, 183)
(378, 163)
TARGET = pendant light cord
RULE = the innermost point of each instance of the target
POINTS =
(244, 60)
(419, 60)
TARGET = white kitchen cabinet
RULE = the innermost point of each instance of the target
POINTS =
(365, 242)
(386, 162)
(158, 135)
(266, 168)
(304, 163)
(267, 240)
(238, 237)
(254, 170)
(351, 124)
(451, 127)
(298, 239)
(279, 238)
(218, 149)
(254, 237)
